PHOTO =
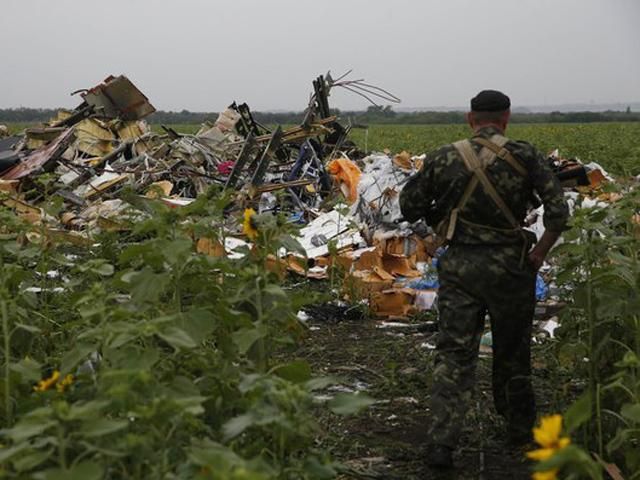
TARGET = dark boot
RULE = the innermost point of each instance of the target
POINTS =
(440, 456)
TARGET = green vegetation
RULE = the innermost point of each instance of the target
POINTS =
(136, 357)
(599, 338)
(376, 115)
(614, 145)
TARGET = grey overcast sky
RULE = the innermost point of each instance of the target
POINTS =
(200, 55)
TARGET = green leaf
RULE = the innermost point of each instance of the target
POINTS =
(7, 453)
(319, 383)
(630, 360)
(579, 461)
(177, 338)
(350, 403)
(74, 357)
(28, 428)
(292, 245)
(245, 338)
(197, 323)
(82, 410)
(31, 460)
(578, 413)
(28, 369)
(176, 251)
(147, 286)
(28, 328)
(237, 425)
(211, 454)
(104, 269)
(81, 471)
(122, 339)
(319, 471)
(631, 411)
(191, 405)
(98, 427)
(297, 371)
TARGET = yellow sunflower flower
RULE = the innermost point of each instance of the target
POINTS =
(64, 383)
(547, 435)
(47, 383)
(548, 475)
(248, 226)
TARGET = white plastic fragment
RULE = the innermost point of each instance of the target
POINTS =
(331, 226)
(550, 326)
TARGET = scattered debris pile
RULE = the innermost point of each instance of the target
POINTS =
(104, 145)
(88, 156)
(391, 265)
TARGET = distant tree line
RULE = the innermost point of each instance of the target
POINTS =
(373, 115)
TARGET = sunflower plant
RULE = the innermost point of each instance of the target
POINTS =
(141, 358)
(555, 453)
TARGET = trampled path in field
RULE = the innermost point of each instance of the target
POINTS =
(394, 366)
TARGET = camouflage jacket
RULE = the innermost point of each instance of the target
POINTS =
(437, 188)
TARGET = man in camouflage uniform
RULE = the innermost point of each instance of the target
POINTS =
(489, 266)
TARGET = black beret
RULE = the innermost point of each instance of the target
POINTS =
(490, 101)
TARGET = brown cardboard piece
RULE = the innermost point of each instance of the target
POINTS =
(210, 247)
(400, 266)
(414, 247)
(395, 303)
(361, 284)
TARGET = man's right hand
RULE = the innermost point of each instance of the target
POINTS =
(536, 258)
(540, 251)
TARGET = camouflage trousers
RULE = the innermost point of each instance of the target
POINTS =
(475, 280)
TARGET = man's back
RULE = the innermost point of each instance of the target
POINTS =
(442, 182)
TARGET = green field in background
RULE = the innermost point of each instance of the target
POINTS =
(615, 145)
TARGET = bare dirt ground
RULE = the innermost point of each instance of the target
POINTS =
(394, 366)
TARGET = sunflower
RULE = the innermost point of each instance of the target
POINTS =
(47, 383)
(62, 385)
(547, 435)
(249, 227)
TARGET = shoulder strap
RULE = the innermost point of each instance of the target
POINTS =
(497, 146)
(473, 164)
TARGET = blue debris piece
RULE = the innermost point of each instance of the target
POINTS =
(296, 217)
(429, 281)
(542, 290)
(435, 260)
(424, 283)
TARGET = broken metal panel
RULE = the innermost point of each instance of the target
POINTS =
(9, 143)
(247, 149)
(247, 124)
(39, 137)
(131, 130)
(118, 97)
(94, 137)
(8, 158)
(38, 159)
(267, 155)
(66, 118)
